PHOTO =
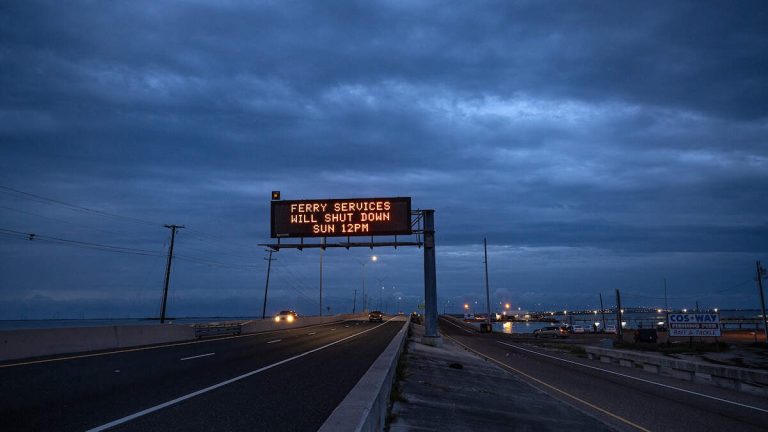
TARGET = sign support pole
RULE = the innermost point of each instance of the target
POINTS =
(430, 281)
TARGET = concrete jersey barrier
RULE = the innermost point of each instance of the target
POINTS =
(19, 344)
(365, 407)
(742, 379)
(27, 343)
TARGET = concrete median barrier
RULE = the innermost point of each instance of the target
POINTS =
(365, 407)
(29, 343)
(730, 377)
(19, 344)
(269, 324)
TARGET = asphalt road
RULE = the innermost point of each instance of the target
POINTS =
(612, 394)
(284, 380)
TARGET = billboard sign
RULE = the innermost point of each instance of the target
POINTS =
(341, 217)
(696, 324)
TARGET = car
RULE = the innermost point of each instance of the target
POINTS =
(288, 316)
(415, 318)
(551, 331)
(577, 329)
(375, 316)
(646, 335)
(610, 328)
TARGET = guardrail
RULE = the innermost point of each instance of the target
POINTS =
(216, 329)
(735, 378)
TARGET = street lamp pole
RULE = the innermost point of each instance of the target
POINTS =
(374, 258)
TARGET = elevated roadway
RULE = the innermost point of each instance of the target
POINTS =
(281, 380)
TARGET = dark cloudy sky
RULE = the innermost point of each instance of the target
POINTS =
(598, 145)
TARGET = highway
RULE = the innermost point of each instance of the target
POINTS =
(282, 380)
(625, 398)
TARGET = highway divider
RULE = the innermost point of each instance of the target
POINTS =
(735, 378)
(258, 326)
(365, 407)
(29, 343)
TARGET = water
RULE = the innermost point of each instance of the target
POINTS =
(516, 327)
(631, 320)
(71, 323)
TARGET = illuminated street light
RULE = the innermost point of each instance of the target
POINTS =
(466, 306)
(658, 310)
(715, 310)
(685, 310)
(506, 306)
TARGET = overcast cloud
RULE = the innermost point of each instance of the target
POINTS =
(598, 145)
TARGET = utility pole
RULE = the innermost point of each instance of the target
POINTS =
(266, 288)
(666, 304)
(173, 229)
(759, 274)
(487, 289)
(321, 282)
(619, 330)
(354, 301)
(602, 310)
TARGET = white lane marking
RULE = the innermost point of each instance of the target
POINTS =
(274, 341)
(346, 326)
(311, 333)
(456, 325)
(333, 329)
(75, 357)
(636, 378)
(222, 384)
(197, 356)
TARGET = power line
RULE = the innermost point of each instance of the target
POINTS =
(89, 245)
(199, 235)
(42, 199)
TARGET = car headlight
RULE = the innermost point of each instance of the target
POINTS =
(277, 318)
(289, 318)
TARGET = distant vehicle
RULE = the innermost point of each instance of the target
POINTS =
(646, 335)
(375, 316)
(400, 313)
(610, 328)
(287, 316)
(551, 331)
(577, 329)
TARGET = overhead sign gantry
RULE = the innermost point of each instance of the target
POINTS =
(360, 217)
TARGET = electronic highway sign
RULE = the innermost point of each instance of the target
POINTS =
(341, 217)
(695, 324)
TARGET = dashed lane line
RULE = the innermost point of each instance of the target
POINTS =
(146, 348)
(197, 356)
(223, 383)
